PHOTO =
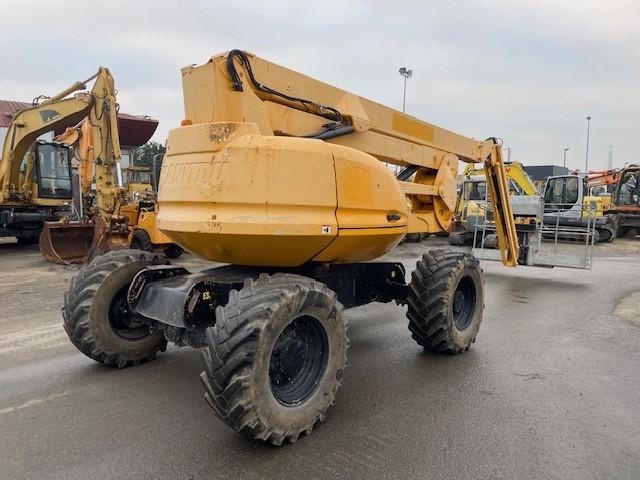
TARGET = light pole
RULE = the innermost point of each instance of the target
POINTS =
(508, 150)
(406, 73)
(564, 157)
(586, 161)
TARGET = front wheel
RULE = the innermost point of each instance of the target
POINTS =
(445, 301)
(97, 317)
(275, 357)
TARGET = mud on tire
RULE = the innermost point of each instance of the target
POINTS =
(275, 357)
(95, 312)
(445, 301)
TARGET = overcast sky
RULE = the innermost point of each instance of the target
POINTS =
(528, 72)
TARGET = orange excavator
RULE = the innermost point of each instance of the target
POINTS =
(624, 189)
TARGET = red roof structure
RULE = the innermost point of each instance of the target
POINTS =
(135, 130)
(7, 109)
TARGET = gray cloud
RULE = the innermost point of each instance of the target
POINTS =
(528, 72)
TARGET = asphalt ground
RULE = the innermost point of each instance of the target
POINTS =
(551, 389)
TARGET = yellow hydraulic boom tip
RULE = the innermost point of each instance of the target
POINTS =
(499, 194)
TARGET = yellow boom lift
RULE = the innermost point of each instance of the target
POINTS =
(282, 178)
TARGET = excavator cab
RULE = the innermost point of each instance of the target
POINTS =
(53, 171)
(629, 190)
(137, 181)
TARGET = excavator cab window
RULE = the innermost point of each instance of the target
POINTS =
(53, 170)
(138, 176)
(561, 193)
(629, 189)
(474, 190)
(599, 191)
(514, 188)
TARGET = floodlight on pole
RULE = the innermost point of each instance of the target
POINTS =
(586, 161)
(406, 73)
(564, 157)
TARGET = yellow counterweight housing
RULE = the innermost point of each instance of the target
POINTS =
(230, 194)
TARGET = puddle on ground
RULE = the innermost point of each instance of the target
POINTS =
(629, 308)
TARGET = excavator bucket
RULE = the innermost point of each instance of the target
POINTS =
(78, 242)
(67, 243)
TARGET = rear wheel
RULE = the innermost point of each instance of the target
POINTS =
(173, 251)
(96, 313)
(445, 301)
(413, 237)
(463, 238)
(275, 357)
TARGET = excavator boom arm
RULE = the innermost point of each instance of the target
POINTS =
(99, 106)
(26, 127)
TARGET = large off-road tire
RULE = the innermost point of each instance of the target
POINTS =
(445, 301)
(459, 239)
(140, 240)
(275, 357)
(173, 251)
(96, 315)
(413, 237)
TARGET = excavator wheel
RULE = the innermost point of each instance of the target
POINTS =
(140, 240)
(27, 240)
(96, 315)
(610, 231)
(445, 301)
(275, 357)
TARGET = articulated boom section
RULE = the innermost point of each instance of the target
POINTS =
(274, 168)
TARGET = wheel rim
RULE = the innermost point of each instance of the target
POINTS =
(464, 303)
(122, 320)
(605, 234)
(298, 360)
